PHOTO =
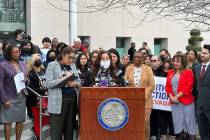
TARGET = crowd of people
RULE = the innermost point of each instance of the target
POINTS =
(44, 68)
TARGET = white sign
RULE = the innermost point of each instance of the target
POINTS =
(44, 54)
(19, 82)
(160, 99)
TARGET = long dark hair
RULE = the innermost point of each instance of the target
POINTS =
(79, 65)
(96, 66)
(114, 51)
(48, 54)
(169, 62)
(24, 43)
(59, 49)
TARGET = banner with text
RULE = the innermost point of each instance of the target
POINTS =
(160, 98)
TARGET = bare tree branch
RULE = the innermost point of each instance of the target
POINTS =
(193, 12)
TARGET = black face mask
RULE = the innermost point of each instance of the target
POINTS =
(52, 58)
(27, 50)
(38, 63)
(162, 58)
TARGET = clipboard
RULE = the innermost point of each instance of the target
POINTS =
(63, 81)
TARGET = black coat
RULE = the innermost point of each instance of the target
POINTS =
(35, 85)
(86, 78)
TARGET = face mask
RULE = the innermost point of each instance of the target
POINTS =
(27, 50)
(105, 64)
(162, 58)
(38, 63)
(52, 58)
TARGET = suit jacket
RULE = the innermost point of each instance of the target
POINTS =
(7, 83)
(147, 81)
(183, 86)
(53, 73)
(202, 88)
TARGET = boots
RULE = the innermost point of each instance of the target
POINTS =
(163, 137)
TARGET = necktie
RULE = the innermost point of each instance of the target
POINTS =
(203, 70)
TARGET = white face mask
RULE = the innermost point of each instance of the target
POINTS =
(105, 64)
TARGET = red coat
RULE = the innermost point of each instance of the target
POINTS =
(185, 85)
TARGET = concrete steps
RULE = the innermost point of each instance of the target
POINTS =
(27, 134)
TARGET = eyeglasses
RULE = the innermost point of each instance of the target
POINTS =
(16, 52)
(154, 60)
(71, 57)
(143, 53)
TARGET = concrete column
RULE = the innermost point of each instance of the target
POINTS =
(72, 21)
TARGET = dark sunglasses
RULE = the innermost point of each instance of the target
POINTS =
(154, 60)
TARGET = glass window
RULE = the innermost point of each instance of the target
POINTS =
(12, 15)
(122, 44)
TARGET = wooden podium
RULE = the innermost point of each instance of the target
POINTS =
(90, 100)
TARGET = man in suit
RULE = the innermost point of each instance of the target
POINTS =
(202, 93)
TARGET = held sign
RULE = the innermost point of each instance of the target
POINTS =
(159, 96)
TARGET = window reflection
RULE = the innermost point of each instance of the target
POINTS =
(12, 11)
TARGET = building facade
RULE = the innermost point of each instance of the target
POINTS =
(113, 29)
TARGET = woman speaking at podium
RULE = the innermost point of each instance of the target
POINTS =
(103, 72)
(140, 75)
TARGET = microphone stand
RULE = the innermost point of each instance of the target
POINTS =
(109, 82)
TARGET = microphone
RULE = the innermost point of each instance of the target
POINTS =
(100, 70)
(119, 73)
(126, 82)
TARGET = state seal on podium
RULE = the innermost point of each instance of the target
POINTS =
(113, 114)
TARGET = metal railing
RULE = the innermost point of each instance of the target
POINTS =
(40, 109)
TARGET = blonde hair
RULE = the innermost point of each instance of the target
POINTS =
(33, 59)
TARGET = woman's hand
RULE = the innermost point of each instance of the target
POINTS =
(95, 85)
(25, 80)
(173, 99)
(7, 104)
(46, 93)
(176, 99)
(72, 84)
(67, 74)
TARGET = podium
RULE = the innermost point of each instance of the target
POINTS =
(92, 98)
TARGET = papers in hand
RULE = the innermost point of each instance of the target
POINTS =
(61, 82)
(19, 82)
